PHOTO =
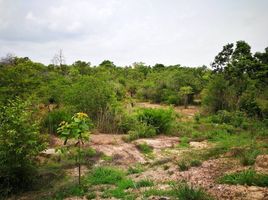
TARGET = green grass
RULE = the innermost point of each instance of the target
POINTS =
(248, 156)
(158, 192)
(105, 175)
(115, 178)
(195, 163)
(118, 193)
(67, 190)
(183, 191)
(135, 170)
(247, 177)
(184, 142)
(183, 165)
(144, 183)
(145, 148)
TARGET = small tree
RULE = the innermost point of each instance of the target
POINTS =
(185, 92)
(20, 143)
(77, 129)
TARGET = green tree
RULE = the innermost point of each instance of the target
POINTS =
(77, 129)
(185, 92)
(20, 143)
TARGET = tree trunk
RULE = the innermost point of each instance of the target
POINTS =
(79, 165)
(186, 101)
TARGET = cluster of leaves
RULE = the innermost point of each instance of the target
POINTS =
(148, 122)
(239, 81)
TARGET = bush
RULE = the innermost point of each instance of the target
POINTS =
(236, 118)
(20, 143)
(141, 130)
(52, 120)
(128, 122)
(247, 177)
(162, 120)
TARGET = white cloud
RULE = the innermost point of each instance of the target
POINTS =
(189, 32)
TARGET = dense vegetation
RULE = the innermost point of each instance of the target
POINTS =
(233, 96)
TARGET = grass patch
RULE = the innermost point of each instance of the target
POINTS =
(144, 183)
(158, 192)
(247, 177)
(111, 176)
(135, 170)
(184, 142)
(105, 175)
(183, 165)
(195, 163)
(118, 193)
(145, 148)
(183, 191)
(180, 191)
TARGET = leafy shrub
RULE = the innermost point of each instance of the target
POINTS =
(52, 120)
(20, 143)
(247, 177)
(161, 119)
(141, 130)
(236, 118)
(128, 122)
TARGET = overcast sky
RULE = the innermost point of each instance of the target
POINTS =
(186, 32)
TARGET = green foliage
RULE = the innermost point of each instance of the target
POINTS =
(77, 129)
(145, 148)
(52, 120)
(20, 143)
(247, 177)
(234, 118)
(161, 119)
(239, 81)
(140, 130)
(184, 142)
